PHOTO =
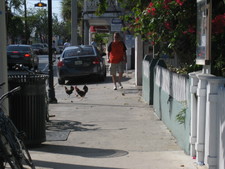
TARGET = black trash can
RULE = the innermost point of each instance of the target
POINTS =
(27, 108)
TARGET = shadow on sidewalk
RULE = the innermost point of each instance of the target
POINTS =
(46, 164)
(92, 80)
(62, 125)
(80, 151)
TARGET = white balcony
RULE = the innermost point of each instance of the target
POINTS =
(92, 5)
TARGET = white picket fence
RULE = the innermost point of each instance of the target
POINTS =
(221, 127)
(207, 135)
(174, 84)
(206, 97)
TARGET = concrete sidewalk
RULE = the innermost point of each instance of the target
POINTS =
(108, 130)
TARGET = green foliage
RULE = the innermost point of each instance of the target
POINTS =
(15, 27)
(102, 6)
(14, 4)
(66, 10)
(101, 38)
(180, 117)
(37, 20)
(185, 69)
(218, 37)
(169, 23)
(66, 14)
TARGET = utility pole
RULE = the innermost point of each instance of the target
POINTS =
(25, 21)
(51, 90)
(74, 22)
(3, 58)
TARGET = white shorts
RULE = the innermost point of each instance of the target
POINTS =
(116, 67)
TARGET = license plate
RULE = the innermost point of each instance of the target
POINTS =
(78, 62)
(14, 56)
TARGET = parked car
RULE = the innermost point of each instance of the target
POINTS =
(41, 48)
(80, 61)
(61, 49)
(37, 49)
(46, 48)
(22, 54)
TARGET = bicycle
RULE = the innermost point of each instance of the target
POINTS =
(12, 148)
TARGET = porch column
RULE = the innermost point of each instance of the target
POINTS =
(193, 131)
(3, 55)
(138, 60)
(212, 127)
(201, 113)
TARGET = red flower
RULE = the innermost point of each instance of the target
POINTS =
(136, 20)
(165, 3)
(179, 2)
(191, 29)
(167, 25)
(149, 33)
(218, 24)
(151, 11)
(150, 5)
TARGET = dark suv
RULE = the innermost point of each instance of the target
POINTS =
(79, 61)
(22, 54)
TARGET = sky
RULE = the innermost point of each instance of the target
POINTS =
(56, 6)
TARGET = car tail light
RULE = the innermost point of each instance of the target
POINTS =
(15, 52)
(60, 64)
(27, 55)
(96, 61)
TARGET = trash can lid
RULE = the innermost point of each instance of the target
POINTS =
(27, 78)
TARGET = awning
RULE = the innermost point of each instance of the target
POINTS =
(99, 29)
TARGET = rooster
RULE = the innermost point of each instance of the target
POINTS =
(83, 92)
(69, 91)
(85, 88)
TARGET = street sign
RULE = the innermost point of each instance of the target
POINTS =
(116, 25)
(204, 12)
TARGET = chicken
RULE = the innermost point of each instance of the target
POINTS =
(69, 91)
(83, 92)
(85, 88)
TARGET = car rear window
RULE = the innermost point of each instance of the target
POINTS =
(40, 46)
(79, 51)
(18, 48)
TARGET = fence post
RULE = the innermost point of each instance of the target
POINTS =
(212, 127)
(201, 112)
(193, 130)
